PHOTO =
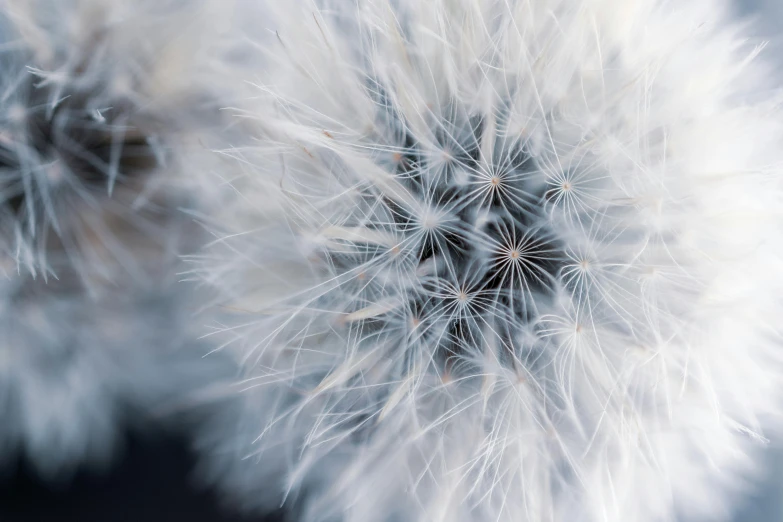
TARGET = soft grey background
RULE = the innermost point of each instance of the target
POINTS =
(766, 503)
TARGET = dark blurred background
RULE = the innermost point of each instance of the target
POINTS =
(151, 481)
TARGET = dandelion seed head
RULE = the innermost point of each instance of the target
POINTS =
(503, 304)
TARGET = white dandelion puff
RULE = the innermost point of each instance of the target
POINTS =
(501, 260)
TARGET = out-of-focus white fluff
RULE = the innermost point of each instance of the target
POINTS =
(96, 97)
(75, 369)
(502, 260)
(105, 108)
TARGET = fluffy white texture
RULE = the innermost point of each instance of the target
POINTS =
(75, 371)
(96, 97)
(502, 260)
(103, 107)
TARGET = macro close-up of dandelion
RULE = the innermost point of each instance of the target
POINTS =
(399, 260)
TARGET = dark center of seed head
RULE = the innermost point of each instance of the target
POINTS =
(460, 244)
